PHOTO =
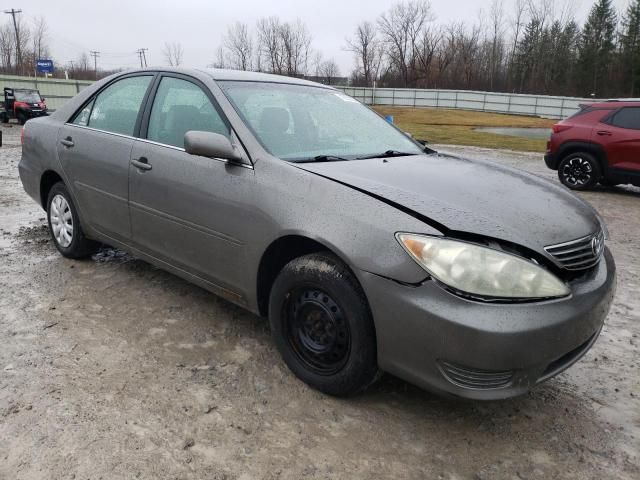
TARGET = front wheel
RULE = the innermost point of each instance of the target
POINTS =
(64, 224)
(322, 326)
(579, 171)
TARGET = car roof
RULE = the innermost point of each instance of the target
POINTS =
(246, 76)
(227, 74)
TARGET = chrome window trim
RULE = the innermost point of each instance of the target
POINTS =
(172, 147)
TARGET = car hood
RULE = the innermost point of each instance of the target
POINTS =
(473, 197)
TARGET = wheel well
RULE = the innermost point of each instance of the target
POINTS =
(48, 180)
(598, 153)
(275, 257)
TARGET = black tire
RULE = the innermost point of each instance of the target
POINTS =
(4, 118)
(21, 119)
(79, 246)
(579, 171)
(322, 325)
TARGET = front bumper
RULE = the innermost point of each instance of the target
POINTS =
(36, 113)
(478, 350)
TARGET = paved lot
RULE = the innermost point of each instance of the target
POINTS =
(110, 368)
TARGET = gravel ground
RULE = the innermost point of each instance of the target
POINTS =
(111, 368)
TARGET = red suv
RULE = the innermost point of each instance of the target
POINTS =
(598, 144)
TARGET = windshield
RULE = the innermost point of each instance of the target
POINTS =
(298, 123)
(28, 97)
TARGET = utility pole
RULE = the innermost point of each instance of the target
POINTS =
(143, 57)
(13, 13)
(139, 52)
(95, 56)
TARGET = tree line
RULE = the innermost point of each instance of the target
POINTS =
(522, 46)
(533, 46)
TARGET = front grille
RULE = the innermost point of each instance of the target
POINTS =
(467, 377)
(578, 254)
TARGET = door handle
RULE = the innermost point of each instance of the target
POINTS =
(141, 163)
(604, 133)
(67, 142)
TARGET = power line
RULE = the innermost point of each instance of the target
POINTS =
(95, 54)
(13, 13)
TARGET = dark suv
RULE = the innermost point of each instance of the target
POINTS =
(598, 144)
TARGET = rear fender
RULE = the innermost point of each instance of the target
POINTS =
(568, 148)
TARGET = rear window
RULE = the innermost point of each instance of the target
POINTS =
(585, 109)
(628, 117)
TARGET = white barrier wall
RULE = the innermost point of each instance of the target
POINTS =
(55, 91)
(515, 104)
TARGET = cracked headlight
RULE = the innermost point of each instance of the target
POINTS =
(481, 271)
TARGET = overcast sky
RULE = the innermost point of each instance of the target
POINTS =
(118, 28)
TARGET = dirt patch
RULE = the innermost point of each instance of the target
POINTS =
(111, 368)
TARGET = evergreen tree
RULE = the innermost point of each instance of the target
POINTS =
(597, 47)
(630, 47)
(525, 56)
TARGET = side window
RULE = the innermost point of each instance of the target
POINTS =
(116, 108)
(181, 106)
(628, 117)
(82, 117)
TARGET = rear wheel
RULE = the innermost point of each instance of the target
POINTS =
(4, 118)
(64, 225)
(579, 171)
(322, 326)
(22, 119)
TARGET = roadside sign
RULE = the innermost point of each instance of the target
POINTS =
(44, 66)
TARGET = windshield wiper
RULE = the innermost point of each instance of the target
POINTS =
(323, 158)
(388, 154)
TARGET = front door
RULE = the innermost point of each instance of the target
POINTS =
(95, 151)
(187, 210)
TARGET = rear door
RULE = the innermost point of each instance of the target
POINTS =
(187, 210)
(95, 151)
(621, 138)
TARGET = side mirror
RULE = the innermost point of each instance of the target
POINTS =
(212, 145)
(42, 99)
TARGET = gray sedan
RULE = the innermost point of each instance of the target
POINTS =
(367, 251)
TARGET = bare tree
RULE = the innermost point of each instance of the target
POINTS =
(40, 37)
(496, 17)
(173, 53)
(283, 48)
(329, 71)
(401, 27)
(270, 44)
(7, 46)
(296, 45)
(368, 50)
(239, 47)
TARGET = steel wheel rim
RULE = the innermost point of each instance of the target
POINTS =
(61, 221)
(317, 330)
(577, 171)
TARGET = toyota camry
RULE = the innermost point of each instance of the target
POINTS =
(366, 250)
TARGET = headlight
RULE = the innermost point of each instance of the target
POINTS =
(481, 271)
